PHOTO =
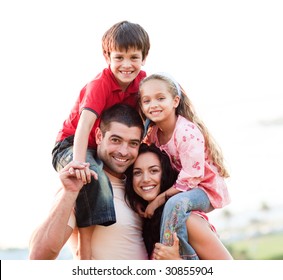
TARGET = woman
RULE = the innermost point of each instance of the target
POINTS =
(151, 175)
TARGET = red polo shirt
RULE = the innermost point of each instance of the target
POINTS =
(96, 96)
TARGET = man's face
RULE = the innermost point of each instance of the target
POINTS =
(118, 148)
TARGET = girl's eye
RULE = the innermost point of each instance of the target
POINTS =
(145, 101)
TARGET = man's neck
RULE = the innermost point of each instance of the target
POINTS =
(115, 177)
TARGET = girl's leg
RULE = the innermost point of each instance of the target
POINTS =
(175, 214)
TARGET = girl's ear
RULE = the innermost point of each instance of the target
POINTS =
(176, 101)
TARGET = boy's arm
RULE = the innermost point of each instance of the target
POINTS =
(158, 201)
(86, 122)
(50, 237)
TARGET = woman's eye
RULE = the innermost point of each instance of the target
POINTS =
(136, 173)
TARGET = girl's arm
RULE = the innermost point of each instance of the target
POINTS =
(158, 201)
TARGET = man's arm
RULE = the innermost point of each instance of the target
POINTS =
(50, 237)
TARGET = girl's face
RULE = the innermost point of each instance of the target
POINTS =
(147, 176)
(157, 102)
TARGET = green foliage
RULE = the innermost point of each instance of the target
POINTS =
(265, 247)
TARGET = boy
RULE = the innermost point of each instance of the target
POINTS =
(125, 48)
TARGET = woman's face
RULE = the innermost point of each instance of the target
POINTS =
(147, 176)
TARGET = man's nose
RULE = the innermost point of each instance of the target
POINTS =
(124, 148)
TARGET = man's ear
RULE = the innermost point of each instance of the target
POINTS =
(98, 136)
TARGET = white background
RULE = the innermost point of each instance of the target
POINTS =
(226, 54)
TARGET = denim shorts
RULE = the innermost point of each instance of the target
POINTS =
(94, 204)
(175, 214)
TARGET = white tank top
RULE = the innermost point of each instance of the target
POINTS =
(122, 240)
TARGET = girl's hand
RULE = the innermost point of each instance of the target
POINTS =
(163, 252)
(151, 207)
(140, 210)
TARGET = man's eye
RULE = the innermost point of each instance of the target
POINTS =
(115, 140)
(135, 144)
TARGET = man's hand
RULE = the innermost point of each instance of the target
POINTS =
(163, 252)
(73, 179)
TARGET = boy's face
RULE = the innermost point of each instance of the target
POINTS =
(118, 147)
(125, 65)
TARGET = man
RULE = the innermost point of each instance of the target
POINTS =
(118, 138)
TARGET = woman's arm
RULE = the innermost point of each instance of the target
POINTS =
(201, 237)
(205, 241)
(163, 252)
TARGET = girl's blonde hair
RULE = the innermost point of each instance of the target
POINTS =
(186, 109)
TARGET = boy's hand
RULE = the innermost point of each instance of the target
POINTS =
(163, 252)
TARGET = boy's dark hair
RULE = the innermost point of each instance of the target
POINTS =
(124, 35)
(121, 113)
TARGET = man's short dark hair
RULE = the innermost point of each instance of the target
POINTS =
(121, 113)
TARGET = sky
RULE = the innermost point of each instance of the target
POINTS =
(226, 54)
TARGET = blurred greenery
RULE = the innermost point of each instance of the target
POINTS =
(264, 247)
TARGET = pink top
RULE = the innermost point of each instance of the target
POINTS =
(186, 150)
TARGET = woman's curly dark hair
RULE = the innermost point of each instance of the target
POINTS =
(151, 227)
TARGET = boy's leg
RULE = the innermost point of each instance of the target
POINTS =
(175, 214)
(95, 205)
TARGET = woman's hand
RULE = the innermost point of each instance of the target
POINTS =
(163, 252)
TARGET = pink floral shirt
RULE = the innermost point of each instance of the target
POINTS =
(187, 154)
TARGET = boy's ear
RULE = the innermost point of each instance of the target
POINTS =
(143, 62)
(107, 57)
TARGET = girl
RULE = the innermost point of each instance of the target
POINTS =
(178, 131)
(151, 175)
